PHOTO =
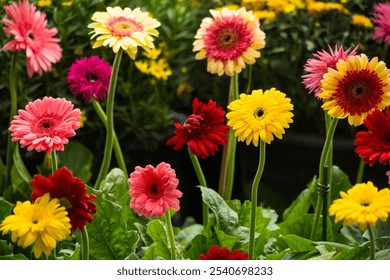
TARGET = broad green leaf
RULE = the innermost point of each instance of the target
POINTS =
(226, 240)
(115, 188)
(356, 253)
(383, 255)
(6, 252)
(302, 203)
(226, 218)
(5, 208)
(340, 183)
(110, 238)
(185, 235)
(297, 244)
(302, 226)
(199, 245)
(77, 158)
(20, 176)
(160, 247)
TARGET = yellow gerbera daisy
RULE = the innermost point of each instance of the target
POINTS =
(229, 40)
(260, 115)
(363, 204)
(127, 29)
(41, 224)
(355, 88)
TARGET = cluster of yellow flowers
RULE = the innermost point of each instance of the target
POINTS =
(154, 65)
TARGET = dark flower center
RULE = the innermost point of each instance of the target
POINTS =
(194, 125)
(259, 113)
(91, 77)
(46, 125)
(227, 39)
(359, 91)
(154, 191)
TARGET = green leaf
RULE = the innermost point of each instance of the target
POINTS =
(109, 236)
(6, 252)
(20, 176)
(185, 235)
(226, 240)
(302, 226)
(199, 245)
(297, 244)
(116, 189)
(78, 158)
(160, 247)
(227, 219)
(5, 208)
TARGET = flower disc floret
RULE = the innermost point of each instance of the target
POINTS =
(41, 224)
(45, 124)
(260, 115)
(363, 204)
(229, 40)
(153, 190)
(125, 29)
(356, 87)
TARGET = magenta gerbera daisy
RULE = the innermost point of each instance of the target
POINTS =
(318, 66)
(229, 40)
(70, 191)
(45, 124)
(217, 253)
(28, 26)
(381, 18)
(203, 131)
(373, 145)
(153, 190)
(89, 77)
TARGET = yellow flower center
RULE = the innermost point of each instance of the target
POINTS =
(124, 27)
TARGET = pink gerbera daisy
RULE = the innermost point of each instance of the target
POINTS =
(28, 26)
(229, 40)
(45, 124)
(381, 18)
(318, 66)
(90, 77)
(154, 190)
(202, 131)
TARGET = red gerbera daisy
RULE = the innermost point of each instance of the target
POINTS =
(217, 253)
(318, 66)
(70, 191)
(28, 26)
(203, 131)
(89, 77)
(154, 190)
(373, 145)
(45, 124)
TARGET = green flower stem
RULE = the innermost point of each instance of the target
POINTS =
(117, 148)
(84, 244)
(360, 172)
(202, 182)
(322, 177)
(54, 162)
(255, 188)
(171, 235)
(372, 242)
(110, 120)
(13, 110)
(249, 85)
(232, 146)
